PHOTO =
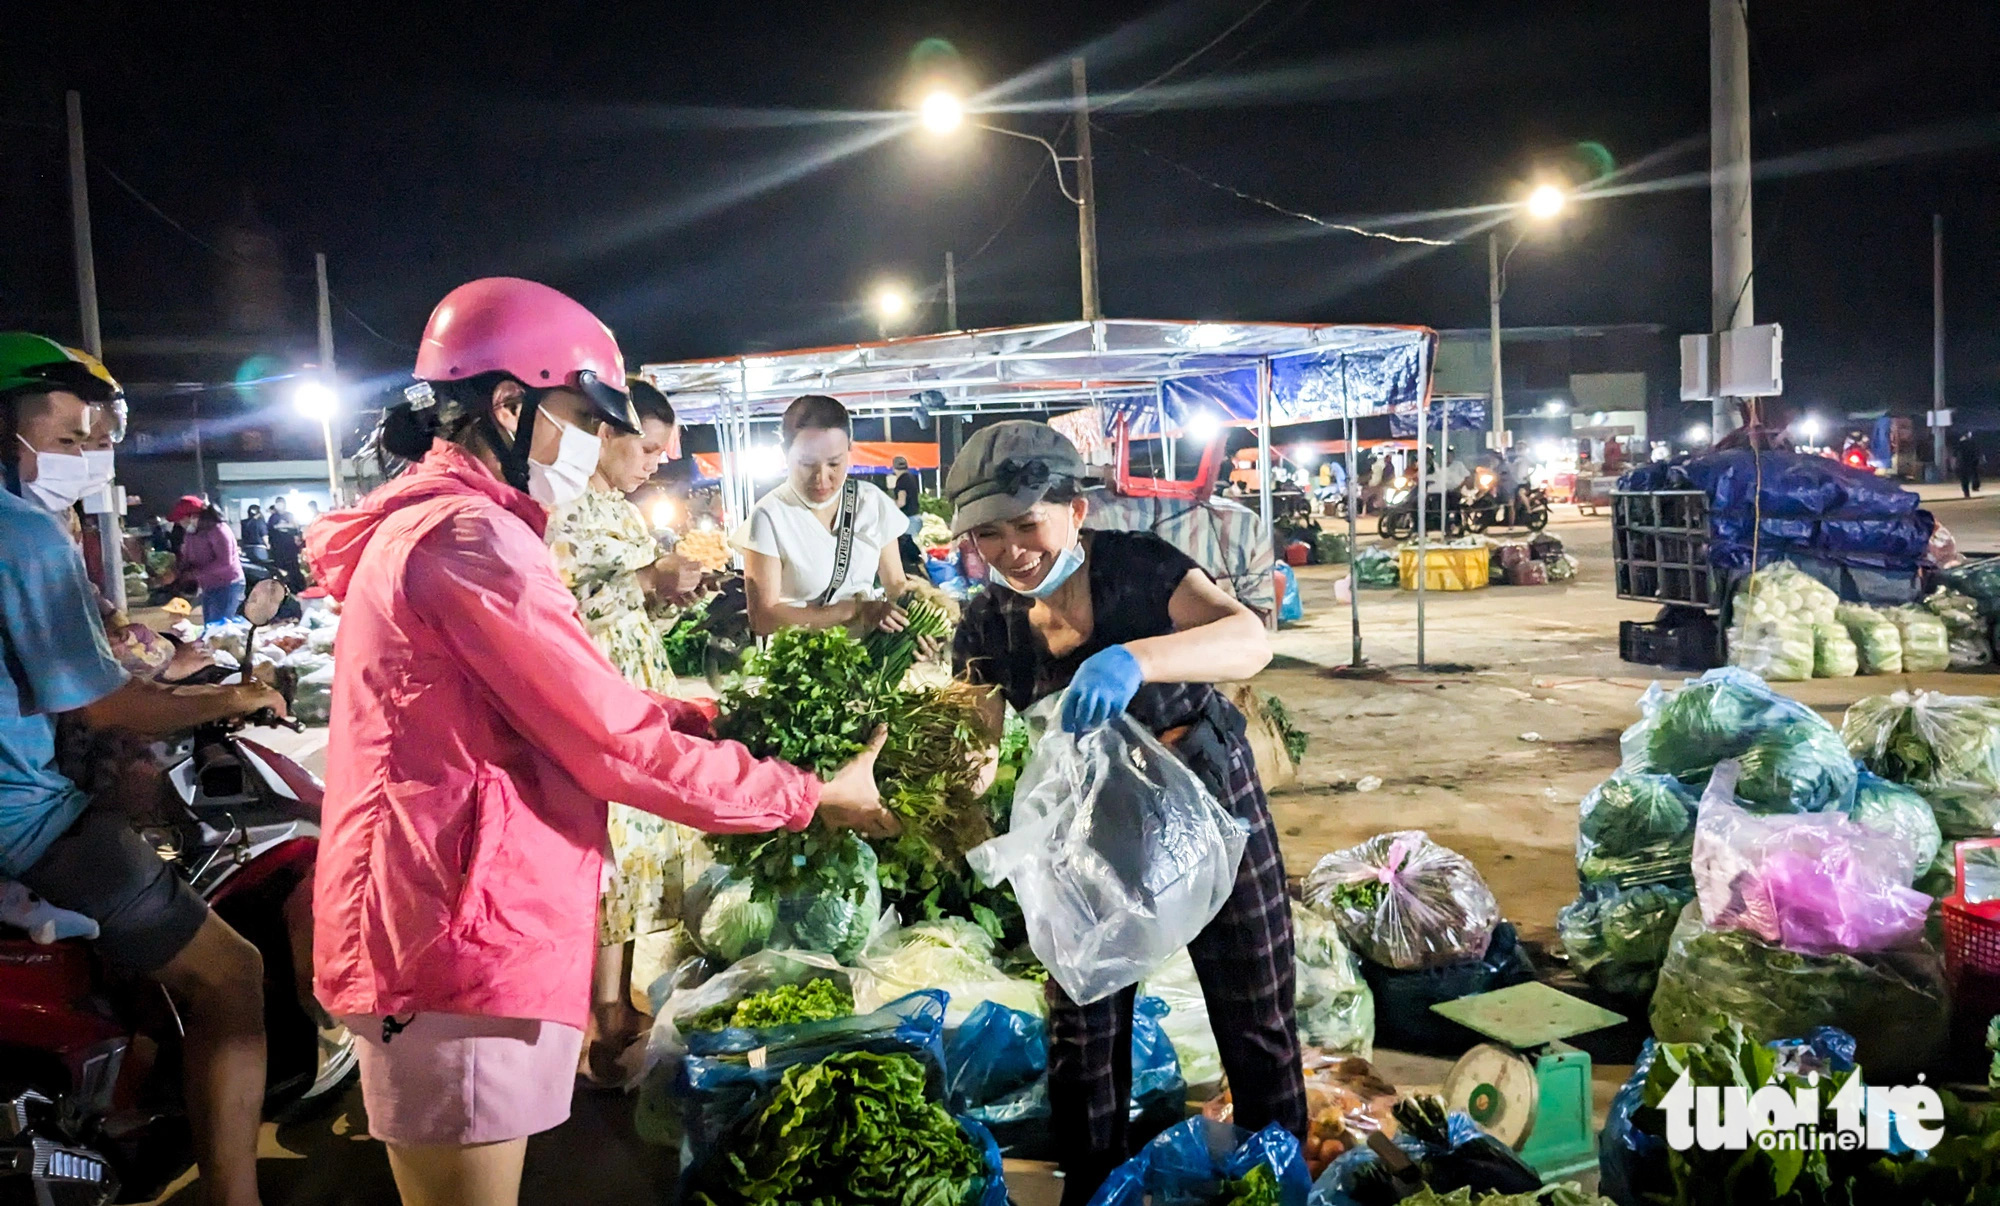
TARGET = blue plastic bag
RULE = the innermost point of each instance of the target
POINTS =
(995, 1191)
(996, 1073)
(1187, 1165)
(1290, 606)
(1469, 1158)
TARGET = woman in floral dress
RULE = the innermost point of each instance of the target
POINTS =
(626, 593)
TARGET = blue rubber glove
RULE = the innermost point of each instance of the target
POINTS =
(1103, 685)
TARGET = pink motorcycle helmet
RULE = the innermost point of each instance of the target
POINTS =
(540, 336)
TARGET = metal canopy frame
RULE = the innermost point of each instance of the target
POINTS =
(1121, 365)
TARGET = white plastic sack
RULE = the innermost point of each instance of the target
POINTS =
(1118, 854)
(1335, 1007)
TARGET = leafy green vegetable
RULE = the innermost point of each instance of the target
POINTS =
(784, 1005)
(1564, 1194)
(1894, 1003)
(1256, 1187)
(1294, 737)
(1363, 895)
(852, 1130)
(687, 642)
(1799, 767)
(735, 922)
(1630, 813)
(814, 698)
(895, 652)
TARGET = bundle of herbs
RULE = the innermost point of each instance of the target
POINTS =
(783, 1005)
(855, 1129)
(813, 698)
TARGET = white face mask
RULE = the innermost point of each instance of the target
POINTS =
(60, 479)
(103, 468)
(567, 479)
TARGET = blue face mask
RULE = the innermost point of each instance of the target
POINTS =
(1067, 562)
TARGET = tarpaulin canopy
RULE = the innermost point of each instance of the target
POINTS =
(1159, 376)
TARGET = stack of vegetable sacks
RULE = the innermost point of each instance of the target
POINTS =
(1945, 749)
(1790, 767)
(1635, 833)
(1784, 627)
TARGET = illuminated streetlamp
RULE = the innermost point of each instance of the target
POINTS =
(942, 112)
(315, 399)
(1546, 202)
(892, 304)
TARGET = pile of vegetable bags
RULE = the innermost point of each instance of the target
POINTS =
(1969, 631)
(1801, 920)
(845, 1109)
(1377, 569)
(1453, 1163)
(1784, 619)
(1635, 835)
(1943, 748)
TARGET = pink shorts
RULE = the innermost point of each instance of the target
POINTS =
(453, 1079)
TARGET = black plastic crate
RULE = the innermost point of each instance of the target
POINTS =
(1687, 642)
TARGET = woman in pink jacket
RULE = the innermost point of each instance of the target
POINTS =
(208, 558)
(476, 735)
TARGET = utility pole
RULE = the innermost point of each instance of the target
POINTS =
(1493, 307)
(1937, 344)
(1731, 297)
(327, 378)
(1086, 192)
(950, 293)
(110, 540)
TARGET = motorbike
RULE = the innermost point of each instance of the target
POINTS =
(90, 1081)
(1444, 513)
(1529, 508)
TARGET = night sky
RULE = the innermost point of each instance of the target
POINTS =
(681, 168)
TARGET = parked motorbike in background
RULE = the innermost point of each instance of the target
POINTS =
(1528, 508)
(90, 1078)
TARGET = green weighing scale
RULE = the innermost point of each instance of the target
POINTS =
(1527, 1088)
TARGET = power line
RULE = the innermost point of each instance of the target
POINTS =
(1014, 210)
(1211, 44)
(361, 322)
(1273, 206)
(162, 215)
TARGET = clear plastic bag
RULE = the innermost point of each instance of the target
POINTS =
(1335, 1007)
(1817, 883)
(1876, 638)
(1686, 731)
(1970, 633)
(1780, 648)
(1895, 1002)
(1834, 654)
(1925, 738)
(1635, 829)
(1926, 641)
(1405, 902)
(1118, 854)
(833, 911)
(1896, 810)
(1617, 937)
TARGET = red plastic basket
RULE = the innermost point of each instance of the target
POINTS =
(1971, 931)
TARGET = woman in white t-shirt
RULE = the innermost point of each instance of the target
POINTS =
(792, 542)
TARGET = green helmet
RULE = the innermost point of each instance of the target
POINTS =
(37, 363)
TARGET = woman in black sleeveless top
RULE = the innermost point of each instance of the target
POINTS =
(1126, 622)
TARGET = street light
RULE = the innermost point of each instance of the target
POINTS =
(891, 304)
(941, 111)
(1544, 203)
(315, 399)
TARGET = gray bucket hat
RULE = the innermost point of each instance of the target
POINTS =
(1005, 469)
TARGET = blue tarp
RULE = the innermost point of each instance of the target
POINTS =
(1467, 414)
(1371, 379)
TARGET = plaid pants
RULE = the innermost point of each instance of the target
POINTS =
(1245, 963)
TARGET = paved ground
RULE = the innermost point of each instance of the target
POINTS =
(1489, 750)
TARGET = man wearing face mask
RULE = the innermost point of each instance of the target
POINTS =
(84, 856)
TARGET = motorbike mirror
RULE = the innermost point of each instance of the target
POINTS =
(261, 606)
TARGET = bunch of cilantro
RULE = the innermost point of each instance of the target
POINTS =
(852, 1130)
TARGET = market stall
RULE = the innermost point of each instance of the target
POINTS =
(1161, 379)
